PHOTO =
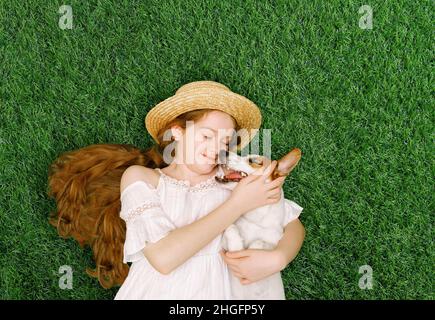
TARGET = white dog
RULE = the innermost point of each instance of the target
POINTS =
(261, 228)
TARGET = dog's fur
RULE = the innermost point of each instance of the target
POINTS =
(261, 228)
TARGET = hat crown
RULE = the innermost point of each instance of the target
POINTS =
(205, 94)
(201, 85)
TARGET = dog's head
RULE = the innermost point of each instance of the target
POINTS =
(234, 168)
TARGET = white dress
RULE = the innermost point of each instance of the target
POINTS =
(150, 214)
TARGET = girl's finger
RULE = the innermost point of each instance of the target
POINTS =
(250, 177)
(234, 266)
(231, 261)
(237, 273)
(222, 253)
(267, 172)
(272, 200)
(245, 281)
(237, 254)
(274, 193)
(276, 183)
(227, 260)
(277, 189)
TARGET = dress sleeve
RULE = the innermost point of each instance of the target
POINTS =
(144, 218)
(292, 211)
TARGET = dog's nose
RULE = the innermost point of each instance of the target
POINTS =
(223, 156)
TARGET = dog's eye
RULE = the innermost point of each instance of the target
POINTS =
(255, 160)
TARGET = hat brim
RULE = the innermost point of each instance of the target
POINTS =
(244, 111)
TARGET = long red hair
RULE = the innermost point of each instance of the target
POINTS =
(86, 186)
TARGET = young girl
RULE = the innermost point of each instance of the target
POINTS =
(171, 214)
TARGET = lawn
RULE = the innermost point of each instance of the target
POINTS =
(356, 101)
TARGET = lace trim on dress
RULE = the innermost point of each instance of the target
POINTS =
(133, 213)
(204, 185)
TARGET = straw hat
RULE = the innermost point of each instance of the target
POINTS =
(206, 95)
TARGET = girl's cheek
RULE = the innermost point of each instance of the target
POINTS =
(197, 149)
(197, 143)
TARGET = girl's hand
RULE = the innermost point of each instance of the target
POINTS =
(251, 265)
(253, 191)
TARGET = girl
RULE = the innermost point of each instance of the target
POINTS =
(168, 215)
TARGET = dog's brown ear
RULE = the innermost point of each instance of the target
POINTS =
(287, 163)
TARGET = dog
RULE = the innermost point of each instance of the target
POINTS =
(261, 228)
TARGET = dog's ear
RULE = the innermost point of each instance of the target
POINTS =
(287, 163)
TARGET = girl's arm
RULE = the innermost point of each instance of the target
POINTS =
(290, 244)
(182, 243)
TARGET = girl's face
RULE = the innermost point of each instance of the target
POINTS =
(202, 141)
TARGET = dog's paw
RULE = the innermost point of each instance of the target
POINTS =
(257, 244)
(234, 240)
(235, 244)
(224, 243)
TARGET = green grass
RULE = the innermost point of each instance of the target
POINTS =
(357, 102)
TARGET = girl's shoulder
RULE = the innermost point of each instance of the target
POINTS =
(137, 173)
